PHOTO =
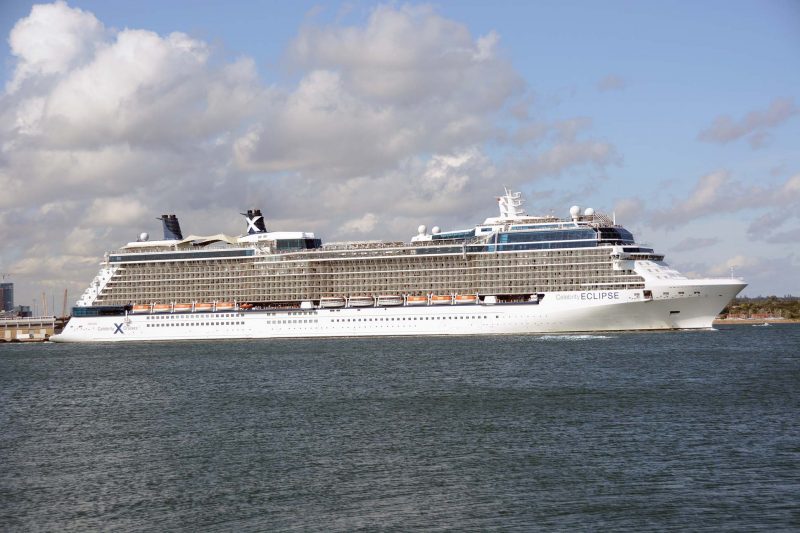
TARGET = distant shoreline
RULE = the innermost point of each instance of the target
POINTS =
(745, 321)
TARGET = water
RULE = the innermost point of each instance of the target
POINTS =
(664, 431)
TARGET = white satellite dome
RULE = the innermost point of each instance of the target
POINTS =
(575, 211)
(435, 230)
(143, 236)
(421, 229)
(589, 212)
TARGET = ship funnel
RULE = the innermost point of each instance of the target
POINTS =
(255, 221)
(172, 228)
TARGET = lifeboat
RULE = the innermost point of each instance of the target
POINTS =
(225, 306)
(331, 302)
(439, 299)
(416, 300)
(162, 308)
(361, 301)
(140, 309)
(183, 308)
(390, 300)
(246, 306)
(466, 299)
(202, 307)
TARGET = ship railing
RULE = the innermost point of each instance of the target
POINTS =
(356, 245)
(173, 248)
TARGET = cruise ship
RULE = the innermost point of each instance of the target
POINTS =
(512, 274)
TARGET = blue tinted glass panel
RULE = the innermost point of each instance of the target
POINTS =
(616, 235)
(545, 245)
(298, 244)
(455, 235)
(556, 235)
(108, 310)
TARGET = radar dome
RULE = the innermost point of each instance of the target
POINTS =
(421, 229)
(143, 236)
(435, 230)
(575, 211)
(589, 212)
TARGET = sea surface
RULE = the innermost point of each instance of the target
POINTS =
(624, 431)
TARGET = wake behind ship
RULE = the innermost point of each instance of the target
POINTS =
(512, 274)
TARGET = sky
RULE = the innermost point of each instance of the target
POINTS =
(363, 120)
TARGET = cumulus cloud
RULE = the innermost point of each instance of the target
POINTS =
(736, 262)
(709, 194)
(411, 55)
(52, 40)
(755, 125)
(115, 211)
(102, 129)
(408, 81)
(363, 224)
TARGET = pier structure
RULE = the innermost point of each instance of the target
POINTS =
(29, 329)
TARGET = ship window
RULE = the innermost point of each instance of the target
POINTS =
(539, 236)
(616, 235)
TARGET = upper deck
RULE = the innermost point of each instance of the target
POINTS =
(512, 231)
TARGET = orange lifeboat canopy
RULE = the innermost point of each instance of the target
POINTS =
(416, 300)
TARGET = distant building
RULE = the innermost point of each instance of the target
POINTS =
(23, 311)
(6, 297)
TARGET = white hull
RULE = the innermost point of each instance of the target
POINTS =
(687, 304)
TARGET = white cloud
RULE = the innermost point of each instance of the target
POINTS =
(119, 211)
(52, 40)
(754, 124)
(736, 262)
(364, 224)
(448, 174)
(713, 193)
(718, 192)
(407, 54)
(101, 130)
(406, 82)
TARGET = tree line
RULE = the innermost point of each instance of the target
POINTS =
(785, 307)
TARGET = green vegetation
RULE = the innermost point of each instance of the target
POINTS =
(761, 306)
